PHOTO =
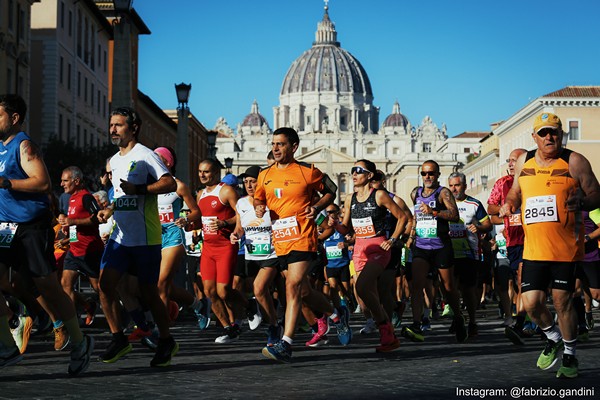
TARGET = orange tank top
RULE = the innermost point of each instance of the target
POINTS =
(551, 232)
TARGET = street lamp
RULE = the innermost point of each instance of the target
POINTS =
(183, 147)
(484, 181)
(228, 164)
(211, 138)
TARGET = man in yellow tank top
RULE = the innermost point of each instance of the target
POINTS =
(553, 185)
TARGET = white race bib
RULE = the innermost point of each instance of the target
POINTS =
(286, 229)
(540, 209)
(426, 226)
(7, 233)
(165, 213)
(363, 227)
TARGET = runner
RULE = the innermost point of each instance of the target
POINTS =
(138, 176)
(26, 234)
(365, 212)
(260, 253)
(287, 188)
(554, 184)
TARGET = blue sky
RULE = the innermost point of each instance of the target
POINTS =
(464, 63)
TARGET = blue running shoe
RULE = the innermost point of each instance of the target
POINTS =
(280, 351)
(274, 333)
(343, 331)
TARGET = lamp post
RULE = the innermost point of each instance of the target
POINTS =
(484, 181)
(228, 164)
(183, 145)
(211, 138)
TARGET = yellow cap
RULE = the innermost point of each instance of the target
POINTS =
(546, 120)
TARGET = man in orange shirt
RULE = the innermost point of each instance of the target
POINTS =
(550, 186)
(287, 188)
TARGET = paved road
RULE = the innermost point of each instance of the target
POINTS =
(205, 370)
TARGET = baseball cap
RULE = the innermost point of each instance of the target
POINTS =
(230, 179)
(546, 120)
(251, 172)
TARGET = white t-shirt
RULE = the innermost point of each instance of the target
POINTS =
(257, 230)
(136, 216)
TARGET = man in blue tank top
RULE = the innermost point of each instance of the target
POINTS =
(26, 234)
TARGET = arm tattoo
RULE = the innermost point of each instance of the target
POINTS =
(31, 151)
(451, 214)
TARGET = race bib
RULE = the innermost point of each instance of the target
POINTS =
(426, 226)
(333, 252)
(458, 230)
(286, 229)
(166, 214)
(363, 227)
(7, 233)
(540, 209)
(514, 220)
(259, 246)
(126, 203)
(73, 234)
(206, 221)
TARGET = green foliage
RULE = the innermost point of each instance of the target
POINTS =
(59, 155)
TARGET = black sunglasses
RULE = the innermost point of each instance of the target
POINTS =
(547, 131)
(359, 170)
(331, 211)
(428, 173)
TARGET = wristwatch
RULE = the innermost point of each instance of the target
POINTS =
(587, 238)
(6, 184)
(393, 240)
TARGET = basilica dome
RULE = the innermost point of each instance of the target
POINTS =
(255, 118)
(395, 119)
(326, 67)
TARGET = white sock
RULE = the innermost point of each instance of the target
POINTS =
(287, 339)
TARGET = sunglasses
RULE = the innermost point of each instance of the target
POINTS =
(331, 211)
(428, 173)
(545, 132)
(359, 171)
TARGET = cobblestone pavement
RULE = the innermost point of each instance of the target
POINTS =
(436, 369)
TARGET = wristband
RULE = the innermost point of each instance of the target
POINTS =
(6, 184)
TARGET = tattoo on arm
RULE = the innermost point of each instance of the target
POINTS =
(451, 214)
(31, 151)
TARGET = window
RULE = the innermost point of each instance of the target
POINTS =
(344, 150)
(466, 150)
(343, 120)
(70, 23)
(85, 86)
(426, 147)
(396, 151)
(86, 33)
(60, 71)
(104, 104)
(69, 76)
(99, 55)
(21, 23)
(308, 120)
(68, 134)
(371, 150)
(60, 127)
(62, 15)
(79, 34)
(573, 130)
(78, 138)
(79, 84)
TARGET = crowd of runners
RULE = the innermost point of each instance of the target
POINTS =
(281, 251)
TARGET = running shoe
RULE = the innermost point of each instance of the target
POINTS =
(528, 329)
(323, 325)
(9, 355)
(80, 356)
(232, 333)
(115, 350)
(151, 341)
(388, 339)
(425, 324)
(280, 351)
(90, 311)
(317, 340)
(447, 313)
(413, 333)
(369, 328)
(22, 332)
(508, 321)
(138, 334)
(357, 310)
(61, 338)
(343, 331)
(548, 357)
(167, 348)
(274, 333)
(569, 367)
(395, 319)
(202, 313)
(513, 335)
(589, 320)
(254, 314)
(461, 331)
(473, 330)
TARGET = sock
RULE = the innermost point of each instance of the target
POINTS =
(579, 310)
(570, 347)
(426, 312)
(72, 326)
(288, 340)
(5, 335)
(552, 333)
(139, 318)
(58, 323)
(520, 322)
(119, 337)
